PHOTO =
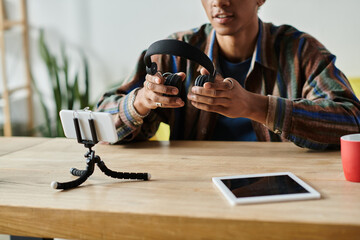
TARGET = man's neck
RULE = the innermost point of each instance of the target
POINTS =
(239, 47)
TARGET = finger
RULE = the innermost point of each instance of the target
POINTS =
(203, 71)
(229, 82)
(182, 75)
(167, 105)
(178, 103)
(212, 92)
(226, 84)
(156, 82)
(217, 86)
(166, 102)
(157, 78)
(208, 108)
(161, 89)
(208, 100)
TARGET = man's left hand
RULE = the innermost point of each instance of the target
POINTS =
(227, 97)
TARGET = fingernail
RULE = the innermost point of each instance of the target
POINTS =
(174, 91)
(157, 80)
(179, 101)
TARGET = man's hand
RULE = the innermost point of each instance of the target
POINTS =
(151, 95)
(227, 97)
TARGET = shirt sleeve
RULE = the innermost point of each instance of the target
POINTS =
(127, 119)
(119, 102)
(326, 110)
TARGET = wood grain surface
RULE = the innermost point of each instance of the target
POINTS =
(180, 202)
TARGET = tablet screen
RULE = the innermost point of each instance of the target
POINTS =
(263, 186)
(266, 187)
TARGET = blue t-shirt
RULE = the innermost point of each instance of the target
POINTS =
(234, 129)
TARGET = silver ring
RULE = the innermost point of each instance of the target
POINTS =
(158, 104)
(147, 85)
(231, 82)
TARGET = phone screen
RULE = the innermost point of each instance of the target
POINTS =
(263, 186)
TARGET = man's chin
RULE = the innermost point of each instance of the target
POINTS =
(224, 32)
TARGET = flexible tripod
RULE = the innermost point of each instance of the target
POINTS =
(91, 159)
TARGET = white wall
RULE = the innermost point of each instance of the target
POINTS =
(334, 23)
(112, 33)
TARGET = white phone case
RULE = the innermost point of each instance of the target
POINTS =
(104, 125)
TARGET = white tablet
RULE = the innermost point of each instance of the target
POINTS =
(104, 125)
(267, 187)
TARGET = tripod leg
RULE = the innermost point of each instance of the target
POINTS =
(121, 175)
(72, 184)
(77, 172)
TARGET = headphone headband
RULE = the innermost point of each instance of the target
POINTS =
(177, 48)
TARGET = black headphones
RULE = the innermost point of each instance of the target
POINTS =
(181, 49)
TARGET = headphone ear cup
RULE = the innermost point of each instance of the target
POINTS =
(152, 69)
(173, 80)
(201, 80)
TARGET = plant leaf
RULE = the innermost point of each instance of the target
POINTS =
(85, 97)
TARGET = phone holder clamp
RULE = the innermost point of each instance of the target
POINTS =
(91, 160)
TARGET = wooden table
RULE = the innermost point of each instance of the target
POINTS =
(180, 202)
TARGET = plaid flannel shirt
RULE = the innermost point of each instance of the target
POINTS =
(311, 103)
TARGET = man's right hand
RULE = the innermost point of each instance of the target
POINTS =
(151, 95)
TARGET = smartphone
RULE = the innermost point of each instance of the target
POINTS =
(104, 125)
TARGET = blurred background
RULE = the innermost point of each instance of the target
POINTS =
(79, 49)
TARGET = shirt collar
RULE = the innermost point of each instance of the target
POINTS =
(264, 49)
(265, 58)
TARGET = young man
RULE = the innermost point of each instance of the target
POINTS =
(275, 83)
